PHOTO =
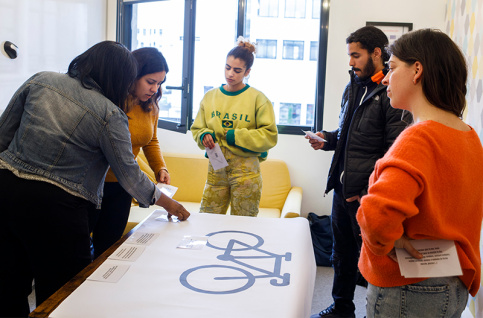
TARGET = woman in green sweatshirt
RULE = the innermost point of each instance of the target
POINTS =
(242, 121)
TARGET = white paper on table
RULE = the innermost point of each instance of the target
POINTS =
(312, 135)
(141, 238)
(193, 242)
(109, 272)
(216, 157)
(167, 189)
(440, 259)
(163, 217)
(127, 252)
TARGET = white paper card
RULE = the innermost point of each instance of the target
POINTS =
(193, 242)
(312, 135)
(142, 238)
(127, 252)
(163, 217)
(109, 272)
(440, 259)
(216, 157)
(167, 189)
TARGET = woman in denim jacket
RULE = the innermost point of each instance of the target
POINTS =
(58, 136)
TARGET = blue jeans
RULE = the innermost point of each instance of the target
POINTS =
(432, 298)
(345, 251)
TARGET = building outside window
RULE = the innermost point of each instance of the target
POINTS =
(314, 50)
(295, 9)
(290, 114)
(266, 49)
(268, 8)
(293, 50)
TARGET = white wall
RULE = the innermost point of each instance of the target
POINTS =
(49, 34)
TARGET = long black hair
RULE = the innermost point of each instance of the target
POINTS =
(111, 65)
(150, 60)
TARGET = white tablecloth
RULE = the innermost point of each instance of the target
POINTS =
(268, 270)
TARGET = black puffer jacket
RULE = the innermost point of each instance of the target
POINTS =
(367, 135)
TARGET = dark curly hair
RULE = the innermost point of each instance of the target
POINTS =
(244, 51)
(370, 37)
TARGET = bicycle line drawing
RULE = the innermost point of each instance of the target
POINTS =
(236, 252)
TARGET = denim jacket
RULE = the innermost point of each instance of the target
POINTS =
(56, 130)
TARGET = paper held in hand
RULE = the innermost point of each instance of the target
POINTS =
(440, 259)
(312, 135)
(217, 159)
(167, 189)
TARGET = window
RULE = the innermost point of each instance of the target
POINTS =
(293, 50)
(314, 50)
(289, 114)
(316, 9)
(295, 9)
(188, 34)
(266, 49)
(268, 8)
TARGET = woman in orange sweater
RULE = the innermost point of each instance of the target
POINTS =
(429, 185)
(108, 223)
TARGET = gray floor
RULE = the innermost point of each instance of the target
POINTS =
(322, 293)
(323, 290)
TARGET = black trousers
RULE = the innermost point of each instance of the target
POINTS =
(345, 250)
(44, 237)
(108, 223)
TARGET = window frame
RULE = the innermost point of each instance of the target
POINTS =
(124, 32)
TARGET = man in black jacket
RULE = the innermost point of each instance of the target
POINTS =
(368, 126)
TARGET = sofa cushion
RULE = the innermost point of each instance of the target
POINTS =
(276, 184)
(188, 172)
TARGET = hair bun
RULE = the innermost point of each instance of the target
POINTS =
(245, 43)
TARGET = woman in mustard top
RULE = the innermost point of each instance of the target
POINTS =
(108, 223)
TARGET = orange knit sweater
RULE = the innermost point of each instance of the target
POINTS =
(429, 185)
(143, 129)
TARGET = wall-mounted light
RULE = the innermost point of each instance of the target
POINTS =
(9, 49)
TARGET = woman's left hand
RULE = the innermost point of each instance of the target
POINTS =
(163, 177)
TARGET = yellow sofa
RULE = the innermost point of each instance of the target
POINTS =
(188, 173)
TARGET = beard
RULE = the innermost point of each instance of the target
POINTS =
(367, 71)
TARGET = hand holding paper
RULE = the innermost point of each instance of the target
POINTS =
(440, 259)
(217, 159)
(312, 135)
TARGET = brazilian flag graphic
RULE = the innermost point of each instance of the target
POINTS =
(227, 123)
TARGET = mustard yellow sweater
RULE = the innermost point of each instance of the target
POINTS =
(429, 185)
(143, 129)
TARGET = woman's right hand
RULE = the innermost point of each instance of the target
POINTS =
(208, 141)
(173, 207)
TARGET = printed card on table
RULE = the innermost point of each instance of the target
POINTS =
(109, 272)
(127, 252)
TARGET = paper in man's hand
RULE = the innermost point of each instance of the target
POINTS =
(312, 135)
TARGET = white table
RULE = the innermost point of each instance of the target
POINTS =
(268, 270)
